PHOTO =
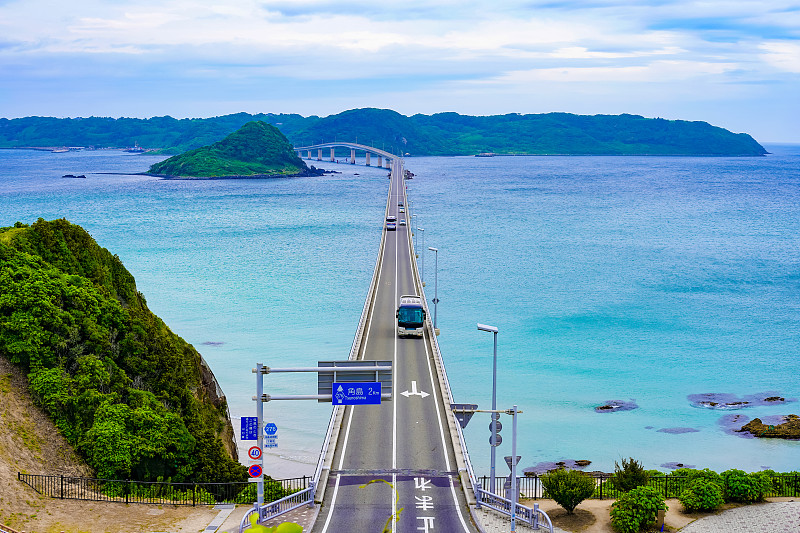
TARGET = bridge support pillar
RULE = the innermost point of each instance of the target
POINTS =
(380, 162)
(308, 155)
(352, 156)
(367, 154)
(319, 154)
(388, 163)
(333, 159)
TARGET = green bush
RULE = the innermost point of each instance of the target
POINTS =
(568, 488)
(702, 495)
(631, 475)
(637, 509)
(743, 487)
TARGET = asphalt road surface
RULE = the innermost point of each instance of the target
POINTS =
(396, 459)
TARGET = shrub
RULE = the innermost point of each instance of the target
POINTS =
(567, 487)
(702, 495)
(743, 487)
(631, 475)
(637, 509)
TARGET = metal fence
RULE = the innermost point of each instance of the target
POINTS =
(670, 486)
(157, 492)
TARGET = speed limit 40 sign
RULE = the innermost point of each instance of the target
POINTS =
(254, 453)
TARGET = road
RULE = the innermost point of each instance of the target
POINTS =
(396, 459)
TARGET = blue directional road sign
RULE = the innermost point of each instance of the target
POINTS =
(249, 428)
(367, 393)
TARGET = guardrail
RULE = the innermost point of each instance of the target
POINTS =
(6, 529)
(670, 486)
(533, 517)
(158, 492)
(279, 507)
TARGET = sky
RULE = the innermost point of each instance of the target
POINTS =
(732, 63)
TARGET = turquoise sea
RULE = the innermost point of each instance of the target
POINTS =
(641, 279)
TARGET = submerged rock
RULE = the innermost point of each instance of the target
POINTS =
(675, 466)
(677, 431)
(616, 405)
(728, 402)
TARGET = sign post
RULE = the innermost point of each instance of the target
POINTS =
(260, 416)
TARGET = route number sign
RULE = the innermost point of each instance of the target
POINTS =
(270, 429)
(254, 453)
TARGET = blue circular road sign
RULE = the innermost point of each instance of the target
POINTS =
(255, 470)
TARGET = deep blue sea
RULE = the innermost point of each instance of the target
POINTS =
(639, 279)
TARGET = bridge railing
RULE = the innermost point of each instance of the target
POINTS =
(278, 507)
(534, 517)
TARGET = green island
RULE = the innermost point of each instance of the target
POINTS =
(440, 134)
(257, 149)
(132, 397)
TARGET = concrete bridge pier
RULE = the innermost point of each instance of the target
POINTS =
(367, 154)
(352, 156)
(319, 154)
(380, 162)
(333, 159)
(308, 156)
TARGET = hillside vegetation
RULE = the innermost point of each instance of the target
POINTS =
(439, 134)
(257, 148)
(131, 396)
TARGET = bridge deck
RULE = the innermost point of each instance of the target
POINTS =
(398, 458)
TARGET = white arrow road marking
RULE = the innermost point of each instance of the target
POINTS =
(414, 391)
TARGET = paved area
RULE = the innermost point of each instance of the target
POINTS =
(778, 517)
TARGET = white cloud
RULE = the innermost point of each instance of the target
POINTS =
(783, 55)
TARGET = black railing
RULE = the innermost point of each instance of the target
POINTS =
(158, 492)
(530, 487)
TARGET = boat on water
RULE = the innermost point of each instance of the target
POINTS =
(135, 149)
(485, 154)
(73, 176)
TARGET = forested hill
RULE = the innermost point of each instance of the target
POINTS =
(131, 396)
(438, 134)
(257, 148)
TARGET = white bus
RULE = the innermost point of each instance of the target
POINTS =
(410, 316)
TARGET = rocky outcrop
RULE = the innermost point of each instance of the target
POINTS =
(789, 429)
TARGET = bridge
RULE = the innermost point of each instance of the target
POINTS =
(402, 465)
(384, 158)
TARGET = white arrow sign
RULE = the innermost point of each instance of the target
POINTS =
(414, 391)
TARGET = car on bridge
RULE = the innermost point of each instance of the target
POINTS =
(391, 218)
(402, 210)
(400, 203)
(391, 226)
(402, 222)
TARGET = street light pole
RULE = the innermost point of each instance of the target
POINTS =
(422, 256)
(435, 287)
(495, 416)
(514, 491)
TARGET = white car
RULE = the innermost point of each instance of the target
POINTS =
(402, 222)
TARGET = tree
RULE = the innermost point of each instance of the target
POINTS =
(568, 488)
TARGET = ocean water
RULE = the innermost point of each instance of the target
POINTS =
(641, 279)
